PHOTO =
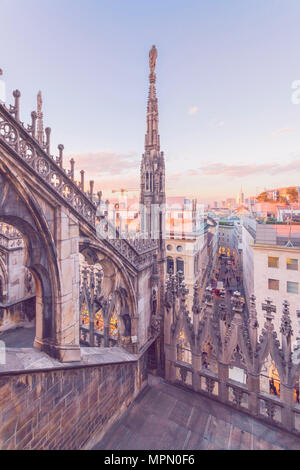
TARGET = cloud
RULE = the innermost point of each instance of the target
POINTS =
(104, 162)
(131, 183)
(216, 123)
(193, 110)
(283, 131)
(250, 169)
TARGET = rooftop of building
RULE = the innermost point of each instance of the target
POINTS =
(168, 417)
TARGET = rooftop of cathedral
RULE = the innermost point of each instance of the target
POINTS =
(168, 417)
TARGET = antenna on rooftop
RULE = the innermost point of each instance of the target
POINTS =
(289, 243)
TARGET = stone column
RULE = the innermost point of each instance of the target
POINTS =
(66, 346)
(223, 376)
(170, 355)
(38, 341)
(196, 364)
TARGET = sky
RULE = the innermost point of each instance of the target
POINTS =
(229, 116)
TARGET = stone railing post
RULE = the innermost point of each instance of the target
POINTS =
(196, 365)
(223, 377)
(253, 387)
(287, 399)
(170, 355)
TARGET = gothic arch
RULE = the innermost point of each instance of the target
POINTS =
(121, 306)
(19, 208)
(183, 325)
(269, 345)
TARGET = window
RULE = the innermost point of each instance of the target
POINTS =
(273, 284)
(169, 247)
(195, 265)
(237, 374)
(180, 265)
(292, 264)
(272, 262)
(170, 266)
(179, 248)
(292, 287)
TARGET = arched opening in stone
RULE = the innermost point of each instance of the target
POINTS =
(269, 382)
(183, 350)
(105, 319)
(209, 357)
(21, 211)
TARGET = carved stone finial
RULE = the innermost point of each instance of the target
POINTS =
(17, 95)
(82, 180)
(252, 312)
(39, 102)
(179, 277)
(208, 295)
(152, 58)
(60, 156)
(72, 164)
(33, 123)
(40, 124)
(236, 302)
(269, 308)
(16, 108)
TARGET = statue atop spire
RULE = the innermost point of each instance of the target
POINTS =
(2, 88)
(152, 58)
(152, 136)
(40, 125)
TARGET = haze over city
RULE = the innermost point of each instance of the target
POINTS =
(225, 73)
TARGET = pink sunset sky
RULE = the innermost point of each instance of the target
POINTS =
(225, 72)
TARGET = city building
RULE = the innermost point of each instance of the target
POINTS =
(17, 286)
(240, 199)
(271, 264)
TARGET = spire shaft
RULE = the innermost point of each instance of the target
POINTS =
(40, 124)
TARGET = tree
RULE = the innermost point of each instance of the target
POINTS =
(292, 194)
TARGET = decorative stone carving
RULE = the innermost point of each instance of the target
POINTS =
(29, 283)
(32, 151)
